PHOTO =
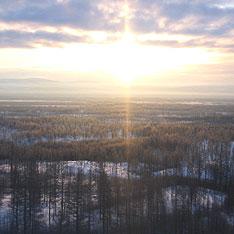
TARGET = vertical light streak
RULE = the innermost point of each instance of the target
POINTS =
(126, 17)
(127, 89)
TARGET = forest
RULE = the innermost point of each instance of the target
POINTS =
(152, 165)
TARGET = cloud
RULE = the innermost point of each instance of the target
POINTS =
(184, 16)
(206, 42)
(88, 14)
(13, 38)
(207, 22)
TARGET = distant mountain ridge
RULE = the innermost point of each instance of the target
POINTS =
(14, 81)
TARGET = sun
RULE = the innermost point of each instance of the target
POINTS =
(123, 61)
(129, 61)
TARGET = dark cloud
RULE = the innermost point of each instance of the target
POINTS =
(185, 17)
(82, 14)
(13, 38)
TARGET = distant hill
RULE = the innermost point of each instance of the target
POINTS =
(26, 81)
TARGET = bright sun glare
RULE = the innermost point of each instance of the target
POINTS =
(130, 60)
(126, 60)
(123, 62)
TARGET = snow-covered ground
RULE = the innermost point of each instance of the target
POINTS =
(229, 218)
(7, 133)
(175, 197)
(111, 169)
(186, 171)
(21, 137)
(86, 167)
(5, 210)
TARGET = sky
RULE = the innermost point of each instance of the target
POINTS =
(143, 42)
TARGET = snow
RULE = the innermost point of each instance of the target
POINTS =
(229, 218)
(7, 133)
(5, 209)
(4, 167)
(185, 171)
(111, 169)
(232, 149)
(120, 169)
(177, 196)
